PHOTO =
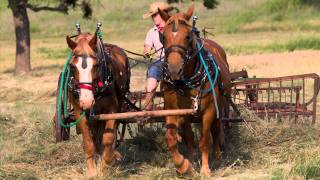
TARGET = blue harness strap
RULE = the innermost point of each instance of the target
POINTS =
(212, 82)
(206, 68)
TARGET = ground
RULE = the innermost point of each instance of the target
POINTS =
(273, 43)
(28, 148)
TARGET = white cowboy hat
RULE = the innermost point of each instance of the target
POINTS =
(153, 9)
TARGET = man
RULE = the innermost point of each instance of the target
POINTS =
(152, 41)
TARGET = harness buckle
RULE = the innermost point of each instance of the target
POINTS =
(195, 103)
(91, 114)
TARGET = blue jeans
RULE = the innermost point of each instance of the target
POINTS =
(155, 70)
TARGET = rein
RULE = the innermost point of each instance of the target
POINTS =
(145, 56)
(63, 93)
(141, 55)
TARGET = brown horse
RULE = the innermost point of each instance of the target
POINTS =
(182, 63)
(86, 68)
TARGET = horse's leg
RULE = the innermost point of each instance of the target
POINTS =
(88, 146)
(217, 139)
(188, 138)
(183, 165)
(107, 142)
(109, 154)
(204, 146)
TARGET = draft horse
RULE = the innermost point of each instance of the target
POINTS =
(184, 78)
(98, 84)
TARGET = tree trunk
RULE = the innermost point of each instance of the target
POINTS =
(21, 26)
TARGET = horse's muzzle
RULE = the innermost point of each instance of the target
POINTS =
(175, 73)
(86, 99)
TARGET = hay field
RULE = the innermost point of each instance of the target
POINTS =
(276, 151)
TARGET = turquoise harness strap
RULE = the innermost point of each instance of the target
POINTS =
(212, 83)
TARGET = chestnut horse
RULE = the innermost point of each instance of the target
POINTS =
(182, 63)
(86, 68)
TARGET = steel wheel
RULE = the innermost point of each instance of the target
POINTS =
(61, 133)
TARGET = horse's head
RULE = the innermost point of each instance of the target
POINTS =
(84, 66)
(178, 42)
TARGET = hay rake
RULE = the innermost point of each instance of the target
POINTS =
(289, 96)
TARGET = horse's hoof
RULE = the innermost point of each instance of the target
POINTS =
(186, 168)
(111, 159)
(118, 156)
(205, 172)
(91, 173)
(179, 138)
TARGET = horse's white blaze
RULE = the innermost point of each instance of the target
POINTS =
(174, 33)
(86, 96)
(85, 73)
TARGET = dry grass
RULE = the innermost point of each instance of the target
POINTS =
(278, 64)
(28, 150)
(278, 150)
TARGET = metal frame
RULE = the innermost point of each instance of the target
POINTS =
(279, 96)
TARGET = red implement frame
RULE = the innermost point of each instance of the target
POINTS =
(292, 96)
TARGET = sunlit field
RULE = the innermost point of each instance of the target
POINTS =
(267, 38)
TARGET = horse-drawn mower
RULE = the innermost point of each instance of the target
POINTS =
(294, 97)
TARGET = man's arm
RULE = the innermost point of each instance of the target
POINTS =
(148, 43)
(147, 49)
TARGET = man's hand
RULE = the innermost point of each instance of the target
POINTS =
(147, 55)
(147, 51)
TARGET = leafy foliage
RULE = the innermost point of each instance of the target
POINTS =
(209, 4)
(60, 6)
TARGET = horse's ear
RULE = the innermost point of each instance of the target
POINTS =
(93, 42)
(189, 12)
(164, 15)
(71, 43)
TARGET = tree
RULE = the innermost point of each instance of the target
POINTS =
(22, 25)
(210, 4)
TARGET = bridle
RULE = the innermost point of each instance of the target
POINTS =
(185, 52)
(188, 53)
(98, 85)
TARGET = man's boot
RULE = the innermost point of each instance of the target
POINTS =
(148, 103)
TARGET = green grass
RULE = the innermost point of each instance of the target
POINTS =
(291, 45)
(51, 53)
(271, 14)
(27, 147)
(5, 122)
(18, 174)
(277, 174)
(122, 22)
(308, 169)
(235, 22)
